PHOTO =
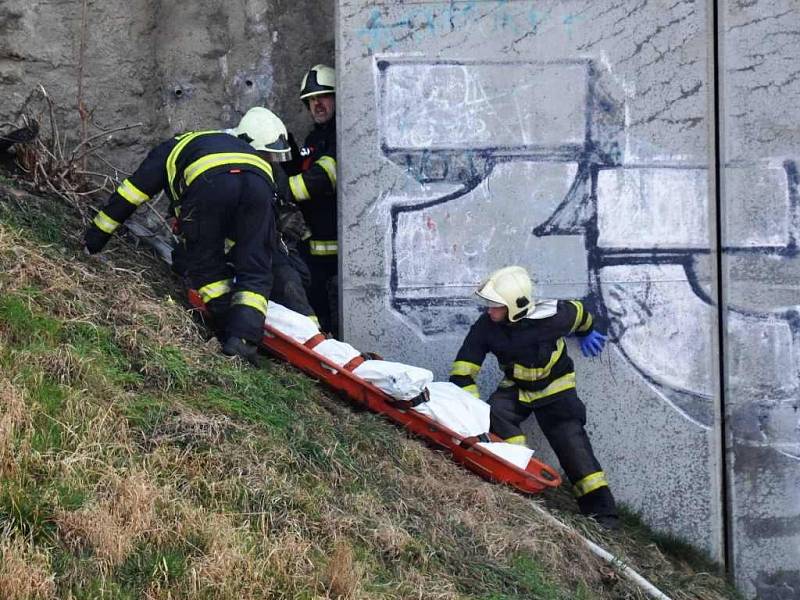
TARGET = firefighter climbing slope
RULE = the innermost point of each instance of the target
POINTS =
(220, 187)
(527, 337)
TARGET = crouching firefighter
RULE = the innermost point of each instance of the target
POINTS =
(527, 338)
(220, 187)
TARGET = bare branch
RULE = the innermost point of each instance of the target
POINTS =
(73, 157)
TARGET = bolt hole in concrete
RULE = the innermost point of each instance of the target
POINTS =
(248, 83)
(178, 92)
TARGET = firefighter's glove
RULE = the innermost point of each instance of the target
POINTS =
(292, 225)
(592, 344)
(95, 239)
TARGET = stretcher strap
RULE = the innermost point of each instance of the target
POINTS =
(469, 442)
(314, 341)
(420, 398)
(352, 364)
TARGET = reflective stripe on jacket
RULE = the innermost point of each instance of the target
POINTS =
(173, 166)
(531, 352)
(313, 184)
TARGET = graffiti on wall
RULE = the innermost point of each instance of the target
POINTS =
(541, 156)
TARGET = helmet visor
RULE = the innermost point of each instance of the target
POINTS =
(279, 145)
(276, 157)
(488, 297)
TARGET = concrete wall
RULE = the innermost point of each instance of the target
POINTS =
(577, 138)
(170, 66)
(761, 276)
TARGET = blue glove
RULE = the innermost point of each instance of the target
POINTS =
(593, 343)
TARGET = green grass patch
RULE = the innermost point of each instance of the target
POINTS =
(97, 344)
(148, 564)
(25, 508)
(25, 327)
(43, 219)
(251, 394)
(146, 412)
(168, 368)
(70, 497)
(102, 588)
(48, 431)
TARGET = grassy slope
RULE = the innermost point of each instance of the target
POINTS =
(136, 462)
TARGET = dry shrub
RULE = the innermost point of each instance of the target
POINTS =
(342, 577)
(113, 526)
(25, 572)
(14, 416)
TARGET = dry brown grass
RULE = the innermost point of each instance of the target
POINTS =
(342, 576)
(113, 525)
(188, 428)
(25, 572)
(15, 416)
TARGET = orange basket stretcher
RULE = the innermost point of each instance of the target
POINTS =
(535, 478)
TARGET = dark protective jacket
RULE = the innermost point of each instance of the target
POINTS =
(220, 172)
(173, 166)
(531, 352)
(313, 187)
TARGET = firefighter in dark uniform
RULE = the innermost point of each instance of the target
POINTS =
(221, 190)
(312, 183)
(291, 275)
(528, 340)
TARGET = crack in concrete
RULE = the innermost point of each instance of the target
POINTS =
(694, 90)
(760, 20)
(648, 39)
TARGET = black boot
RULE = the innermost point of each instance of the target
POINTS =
(600, 506)
(235, 346)
(609, 522)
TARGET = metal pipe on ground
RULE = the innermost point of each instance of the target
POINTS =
(632, 575)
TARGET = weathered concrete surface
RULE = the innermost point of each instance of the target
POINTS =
(162, 66)
(170, 66)
(761, 126)
(573, 138)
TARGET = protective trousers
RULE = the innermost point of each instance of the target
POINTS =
(324, 291)
(235, 206)
(291, 281)
(562, 421)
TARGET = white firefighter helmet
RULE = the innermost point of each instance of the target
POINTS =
(320, 79)
(264, 131)
(510, 287)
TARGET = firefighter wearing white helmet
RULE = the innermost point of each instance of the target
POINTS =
(219, 188)
(527, 338)
(510, 287)
(313, 186)
(265, 132)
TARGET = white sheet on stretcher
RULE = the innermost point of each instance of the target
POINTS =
(400, 381)
(456, 409)
(298, 327)
(517, 455)
(337, 352)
